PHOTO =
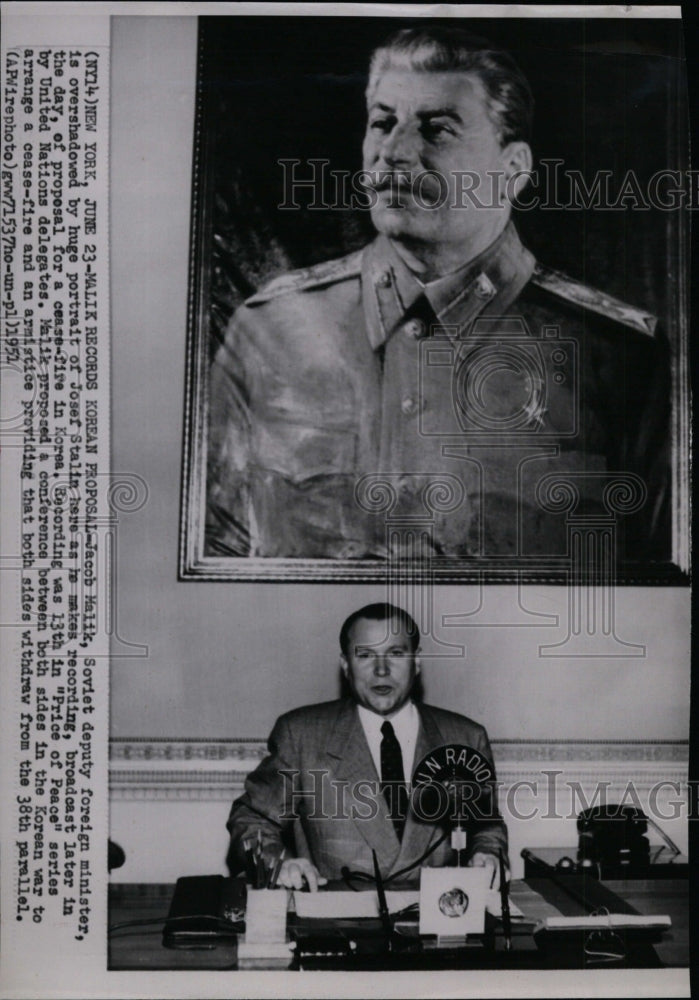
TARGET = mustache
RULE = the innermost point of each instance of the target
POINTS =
(389, 180)
(424, 183)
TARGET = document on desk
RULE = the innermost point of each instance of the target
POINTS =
(605, 921)
(320, 905)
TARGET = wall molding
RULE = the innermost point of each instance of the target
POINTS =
(143, 768)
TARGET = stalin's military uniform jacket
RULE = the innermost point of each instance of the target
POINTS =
(357, 413)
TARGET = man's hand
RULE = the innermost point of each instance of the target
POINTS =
(482, 860)
(295, 871)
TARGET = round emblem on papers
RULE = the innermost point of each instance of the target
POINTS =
(454, 902)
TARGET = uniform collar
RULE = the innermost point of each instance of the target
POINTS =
(488, 283)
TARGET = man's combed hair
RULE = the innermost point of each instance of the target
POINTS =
(379, 613)
(443, 49)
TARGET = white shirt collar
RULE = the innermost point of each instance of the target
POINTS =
(405, 722)
(375, 721)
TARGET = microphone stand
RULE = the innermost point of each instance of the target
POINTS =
(505, 903)
(383, 905)
(458, 842)
(394, 941)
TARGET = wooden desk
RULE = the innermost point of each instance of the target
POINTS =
(140, 947)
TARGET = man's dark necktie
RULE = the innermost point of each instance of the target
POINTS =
(393, 779)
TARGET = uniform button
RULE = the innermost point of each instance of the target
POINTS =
(484, 287)
(383, 279)
(408, 406)
(415, 328)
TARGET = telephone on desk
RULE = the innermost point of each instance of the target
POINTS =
(613, 835)
(614, 841)
(206, 910)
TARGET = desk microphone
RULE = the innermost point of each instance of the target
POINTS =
(452, 783)
(383, 905)
(505, 904)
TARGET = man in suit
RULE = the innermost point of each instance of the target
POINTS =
(441, 372)
(338, 773)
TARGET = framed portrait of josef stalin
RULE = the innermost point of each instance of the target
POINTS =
(438, 301)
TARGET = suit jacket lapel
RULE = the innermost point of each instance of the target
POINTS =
(352, 762)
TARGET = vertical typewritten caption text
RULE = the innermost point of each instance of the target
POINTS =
(54, 301)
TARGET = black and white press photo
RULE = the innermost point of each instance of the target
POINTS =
(345, 485)
(427, 643)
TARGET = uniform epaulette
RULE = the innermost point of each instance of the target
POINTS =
(305, 278)
(594, 300)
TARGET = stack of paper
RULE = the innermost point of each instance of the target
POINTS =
(604, 922)
(351, 904)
